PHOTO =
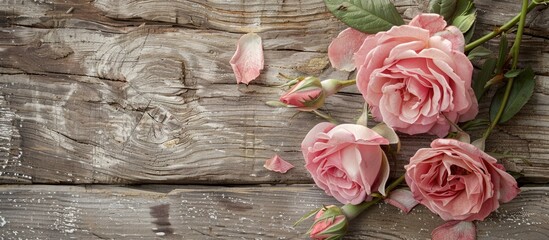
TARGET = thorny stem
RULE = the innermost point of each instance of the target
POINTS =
(515, 53)
(501, 29)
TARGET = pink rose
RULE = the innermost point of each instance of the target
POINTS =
(413, 75)
(346, 161)
(330, 223)
(458, 181)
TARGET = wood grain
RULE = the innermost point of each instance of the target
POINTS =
(138, 92)
(160, 211)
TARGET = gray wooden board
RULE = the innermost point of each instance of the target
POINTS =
(111, 212)
(141, 91)
(187, 212)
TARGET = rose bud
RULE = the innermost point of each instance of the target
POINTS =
(330, 223)
(309, 93)
(306, 95)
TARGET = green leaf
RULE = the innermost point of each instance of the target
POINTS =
(464, 7)
(479, 51)
(483, 76)
(465, 22)
(469, 34)
(446, 8)
(365, 15)
(521, 91)
(475, 124)
(464, 18)
(513, 73)
(496, 103)
(503, 52)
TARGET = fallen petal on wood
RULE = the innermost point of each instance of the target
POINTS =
(247, 61)
(455, 230)
(403, 199)
(278, 164)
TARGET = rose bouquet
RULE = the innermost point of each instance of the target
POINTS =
(415, 78)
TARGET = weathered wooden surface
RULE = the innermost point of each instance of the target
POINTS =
(142, 92)
(102, 212)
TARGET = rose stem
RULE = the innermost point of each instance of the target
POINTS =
(515, 52)
(352, 211)
(325, 116)
(346, 83)
(501, 29)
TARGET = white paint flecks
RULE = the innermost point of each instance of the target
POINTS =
(66, 220)
(2, 221)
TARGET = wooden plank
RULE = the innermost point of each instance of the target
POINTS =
(174, 212)
(121, 92)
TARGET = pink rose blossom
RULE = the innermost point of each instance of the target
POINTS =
(346, 161)
(415, 76)
(342, 49)
(458, 181)
(247, 61)
(277, 164)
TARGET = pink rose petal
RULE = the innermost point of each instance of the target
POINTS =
(343, 47)
(403, 199)
(247, 61)
(454, 35)
(278, 164)
(455, 230)
(430, 21)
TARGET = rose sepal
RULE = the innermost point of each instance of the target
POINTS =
(332, 221)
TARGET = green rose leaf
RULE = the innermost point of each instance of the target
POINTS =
(479, 51)
(464, 7)
(483, 76)
(513, 73)
(475, 124)
(465, 22)
(464, 17)
(522, 90)
(503, 52)
(365, 15)
(469, 34)
(446, 8)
